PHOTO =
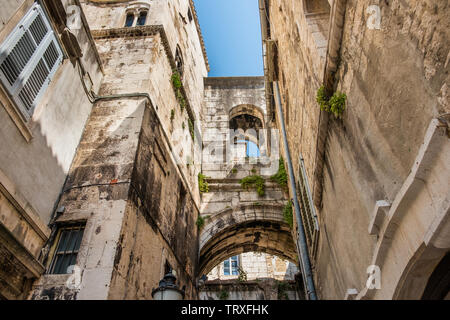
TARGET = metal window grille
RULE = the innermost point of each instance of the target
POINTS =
(308, 211)
(65, 256)
(29, 57)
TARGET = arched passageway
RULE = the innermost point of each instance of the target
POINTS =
(272, 237)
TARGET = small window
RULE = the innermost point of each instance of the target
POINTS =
(141, 19)
(65, 256)
(190, 15)
(129, 20)
(29, 57)
(231, 266)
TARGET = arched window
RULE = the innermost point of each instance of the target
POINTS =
(190, 14)
(179, 61)
(129, 19)
(142, 17)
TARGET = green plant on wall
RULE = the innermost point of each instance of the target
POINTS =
(287, 214)
(191, 128)
(242, 277)
(176, 80)
(234, 170)
(177, 84)
(172, 114)
(281, 176)
(254, 182)
(335, 104)
(200, 222)
(282, 287)
(322, 99)
(202, 183)
(223, 295)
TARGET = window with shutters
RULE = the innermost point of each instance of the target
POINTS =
(29, 57)
(308, 211)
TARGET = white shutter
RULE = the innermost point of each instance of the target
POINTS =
(29, 58)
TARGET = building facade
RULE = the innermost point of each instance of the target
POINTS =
(378, 170)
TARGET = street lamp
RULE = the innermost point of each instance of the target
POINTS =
(167, 289)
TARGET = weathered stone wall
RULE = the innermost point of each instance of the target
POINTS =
(396, 81)
(96, 193)
(136, 63)
(258, 265)
(159, 223)
(180, 31)
(261, 289)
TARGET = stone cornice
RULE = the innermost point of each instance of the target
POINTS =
(199, 31)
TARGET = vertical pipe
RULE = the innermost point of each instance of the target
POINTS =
(301, 241)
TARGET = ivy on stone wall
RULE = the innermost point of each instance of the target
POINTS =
(177, 84)
(254, 182)
(202, 184)
(223, 295)
(191, 128)
(281, 176)
(282, 288)
(200, 222)
(242, 277)
(335, 104)
(287, 214)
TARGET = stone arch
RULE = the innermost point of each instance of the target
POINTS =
(245, 228)
(438, 285)
(426, 275)
(248, 109)
(247, 120)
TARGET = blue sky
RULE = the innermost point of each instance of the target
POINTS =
(232, 34)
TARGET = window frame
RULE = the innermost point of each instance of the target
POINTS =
(143, 11)
(129, 13)
(17, 90)
(56, 262)
(232, 272)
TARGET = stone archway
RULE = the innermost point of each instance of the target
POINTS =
(247, 109)
(245, 228)
(270, 237)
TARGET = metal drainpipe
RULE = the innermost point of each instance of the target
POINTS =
(301, 242)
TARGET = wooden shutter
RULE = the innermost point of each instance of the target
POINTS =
(29, 58)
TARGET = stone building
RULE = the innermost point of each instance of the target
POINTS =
(122, 161)
(378, 171)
